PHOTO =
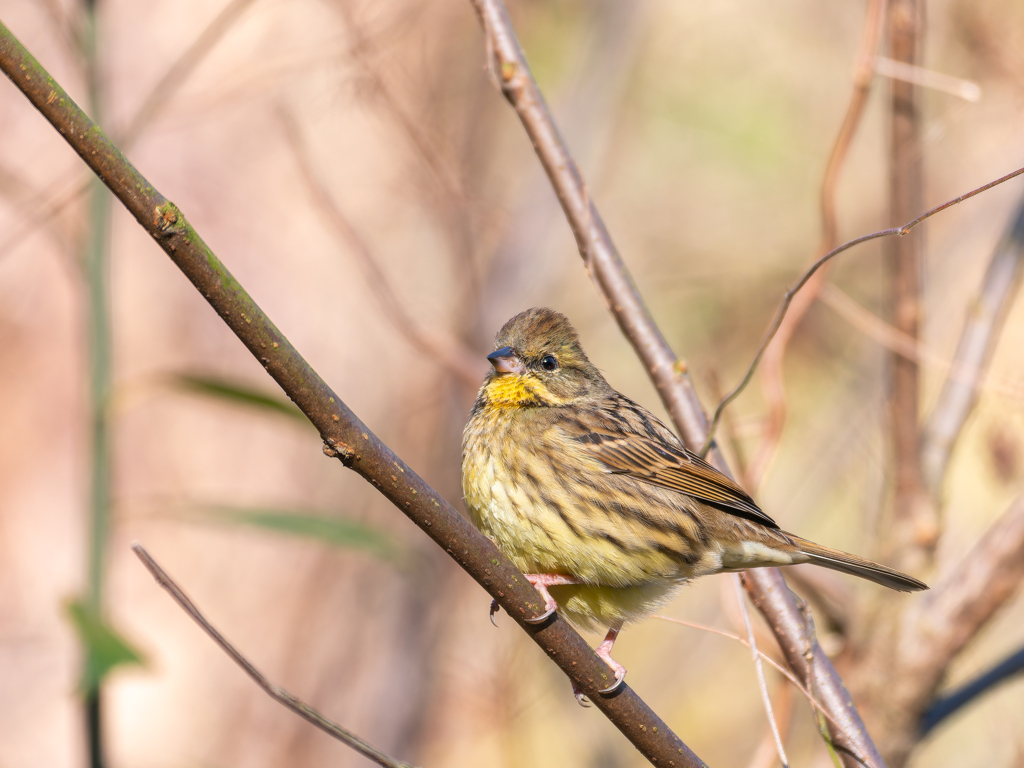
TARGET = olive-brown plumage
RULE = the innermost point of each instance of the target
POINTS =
(596, 500)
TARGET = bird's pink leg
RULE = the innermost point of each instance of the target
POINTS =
(604, 650)
(541, 582)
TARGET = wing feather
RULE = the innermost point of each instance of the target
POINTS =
(628, 440)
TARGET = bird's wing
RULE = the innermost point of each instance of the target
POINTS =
(628, 440)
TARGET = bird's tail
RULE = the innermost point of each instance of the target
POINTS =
(855, 566)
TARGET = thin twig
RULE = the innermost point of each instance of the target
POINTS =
(977, 341)
(815, 704)
(345, 436)
(762, 683)
(772, 382)
(275, 692)
(456, 357)
(788, 296)
(927, 78)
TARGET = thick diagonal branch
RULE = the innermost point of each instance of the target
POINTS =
(345, 436)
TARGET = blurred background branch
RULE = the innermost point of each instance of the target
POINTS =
(277, 693)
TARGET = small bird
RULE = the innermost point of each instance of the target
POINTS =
(599, 504)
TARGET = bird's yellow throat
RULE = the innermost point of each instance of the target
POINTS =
(510, 391)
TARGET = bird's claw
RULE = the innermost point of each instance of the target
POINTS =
(614, 686)
(543, 617)
(494, 609)
(581, 698)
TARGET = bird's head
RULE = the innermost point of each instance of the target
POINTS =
(538, 361)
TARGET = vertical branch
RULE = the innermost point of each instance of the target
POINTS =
(98, 323)
(977, 340)
(916, 526)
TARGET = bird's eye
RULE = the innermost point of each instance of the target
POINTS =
(549, 363)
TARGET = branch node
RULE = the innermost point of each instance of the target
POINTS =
(336, 449)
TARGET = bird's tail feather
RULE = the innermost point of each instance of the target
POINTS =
(856, 566)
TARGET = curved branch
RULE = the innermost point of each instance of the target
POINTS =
(344, 435)
(277, 693)
(766, 586)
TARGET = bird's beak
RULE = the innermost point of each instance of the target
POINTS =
(505, 360)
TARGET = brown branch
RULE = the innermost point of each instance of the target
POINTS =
(448, 352)
(766, 586)
(915, 517)
(772, 381)
(277, 693)
(344, 435)
(977, 341)
(902, 668)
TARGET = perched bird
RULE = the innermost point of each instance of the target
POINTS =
(598, 502)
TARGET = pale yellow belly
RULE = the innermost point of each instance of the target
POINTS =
(551, 538)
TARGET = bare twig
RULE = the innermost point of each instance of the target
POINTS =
(615, 287)
(277, 693)
(446, 351)
(765, 756)
(344, 434)
(977, 340)
(771, 374)
(762, 683)
(788, 296)
(927, 78)
(815, 704)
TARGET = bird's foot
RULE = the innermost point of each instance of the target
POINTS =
(541, 582)
(494, 609)
(604, 652)
(581, 698)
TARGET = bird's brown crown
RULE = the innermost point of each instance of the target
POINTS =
(542, 363)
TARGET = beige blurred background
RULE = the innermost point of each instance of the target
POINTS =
(703, 130)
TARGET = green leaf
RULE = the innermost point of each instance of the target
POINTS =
(336, 531)
(104, 647)
(237, 393)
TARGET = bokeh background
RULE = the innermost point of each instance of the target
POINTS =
(703, 130)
